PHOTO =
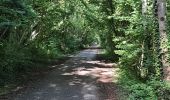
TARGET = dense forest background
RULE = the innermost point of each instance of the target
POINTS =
(135, 31)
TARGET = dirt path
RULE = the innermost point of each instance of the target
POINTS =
(80, 78)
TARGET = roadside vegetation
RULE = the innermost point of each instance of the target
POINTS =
(134, 32)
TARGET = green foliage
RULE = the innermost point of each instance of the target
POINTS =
(15, 56)
(160, 88)
(34, 30)
(139, 51)
(153, 89)
(141, 92)
(139, 45)
(13, 60)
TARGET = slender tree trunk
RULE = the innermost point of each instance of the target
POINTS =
(144, 10)
(144, 49)
(146, 67)
(161, 4)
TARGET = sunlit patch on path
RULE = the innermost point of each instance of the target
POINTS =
(103, 72)
(80, 78)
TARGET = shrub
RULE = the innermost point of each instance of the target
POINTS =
(141, 91)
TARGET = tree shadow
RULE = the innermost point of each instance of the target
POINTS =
(101, 75)
(80, 78)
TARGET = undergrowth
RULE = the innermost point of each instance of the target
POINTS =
(152, 89)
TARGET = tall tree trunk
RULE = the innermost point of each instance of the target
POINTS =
(144, 47)
(144, 10)
(147, 68)
(161, 4)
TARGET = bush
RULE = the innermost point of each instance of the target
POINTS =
(15, 61)
(152, 89)
(161, 89)
(142, 92)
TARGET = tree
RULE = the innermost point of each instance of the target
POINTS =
(164, 56)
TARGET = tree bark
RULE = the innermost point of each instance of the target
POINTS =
(161, 4)
(143, 56)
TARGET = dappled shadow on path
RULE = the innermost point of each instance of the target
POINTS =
(102, 75)
(80, 78)
(97, 70)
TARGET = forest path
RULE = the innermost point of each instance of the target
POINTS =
(79, 78)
